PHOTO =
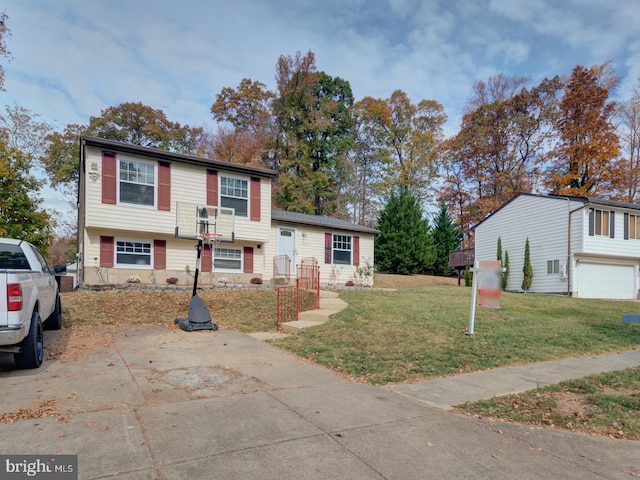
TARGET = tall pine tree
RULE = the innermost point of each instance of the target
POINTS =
(405, 244)
(446, 236)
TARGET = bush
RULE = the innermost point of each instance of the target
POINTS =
(172, 280)
(256, 281)
(349, 283)
(133, 279)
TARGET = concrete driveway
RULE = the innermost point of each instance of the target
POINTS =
(157, 403)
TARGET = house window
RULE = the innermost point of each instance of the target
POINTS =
(228, 259)
(553, 266)
(133, 254)
(601, 222)
(234, 193)
(137, 182)
(634, 226)
(342, 249)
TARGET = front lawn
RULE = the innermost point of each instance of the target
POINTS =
(409, 335)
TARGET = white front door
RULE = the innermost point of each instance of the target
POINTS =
(287, 246)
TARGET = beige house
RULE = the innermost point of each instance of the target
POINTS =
(128, 200)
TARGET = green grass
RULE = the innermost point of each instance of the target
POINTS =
(606, 404)
(397, 336)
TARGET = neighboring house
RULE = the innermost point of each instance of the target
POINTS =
(586, 247)
(127, 218)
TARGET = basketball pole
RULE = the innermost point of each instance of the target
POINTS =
(195, 278)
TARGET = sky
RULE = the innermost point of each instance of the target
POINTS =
(73, 58)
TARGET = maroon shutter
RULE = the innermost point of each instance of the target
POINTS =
(356, 251)
(108, 177)
(164, 186)
(206, 260)
(255, 199)
(328, 245)
(248, 259)
(160, 254)
(212, 187)
(106, 251)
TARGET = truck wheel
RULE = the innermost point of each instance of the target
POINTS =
(54, 322)
(32, 345)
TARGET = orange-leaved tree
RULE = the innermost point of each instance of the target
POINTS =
(583, 160)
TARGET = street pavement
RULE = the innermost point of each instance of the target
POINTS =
(159, 403)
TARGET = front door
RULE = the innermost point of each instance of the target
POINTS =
(287, 246)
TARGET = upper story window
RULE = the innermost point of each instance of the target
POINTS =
(234, 193)
(634, 226)
(137, 182)
(342, 249)
(601, 222)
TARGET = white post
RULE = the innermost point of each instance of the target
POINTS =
(474, 289)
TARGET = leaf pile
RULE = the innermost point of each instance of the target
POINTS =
(44, 409)
(242, 309)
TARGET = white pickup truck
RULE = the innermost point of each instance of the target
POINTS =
(29, 302)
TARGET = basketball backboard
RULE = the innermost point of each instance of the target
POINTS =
(194, 221)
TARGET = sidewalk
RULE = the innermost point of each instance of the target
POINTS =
(446, 392)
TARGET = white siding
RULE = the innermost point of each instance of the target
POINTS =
(188, 184)
(310, 243)
(544, 221)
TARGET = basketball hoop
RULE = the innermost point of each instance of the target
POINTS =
(211, 238)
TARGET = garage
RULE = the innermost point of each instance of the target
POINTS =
(598, 280)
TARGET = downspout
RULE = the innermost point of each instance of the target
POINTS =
(80, 210)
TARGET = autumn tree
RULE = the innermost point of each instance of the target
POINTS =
(407, 137)
(128, 122)
(501, 145)
(361, 184)
(21, 213)
(247, 112)
(626, 171)
(587, 141)
(4, 34)
(313, 135)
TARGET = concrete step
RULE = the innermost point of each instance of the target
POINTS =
(332, 303)
(329, 294)
(321, 316)
(297, 326)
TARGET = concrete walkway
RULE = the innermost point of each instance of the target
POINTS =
(447, 392)
(330, 304)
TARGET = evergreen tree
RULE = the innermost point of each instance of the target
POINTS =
(499, 254)
(446, 236)
(405, 244)
(527, 270)
(505, 274)
(467, 276)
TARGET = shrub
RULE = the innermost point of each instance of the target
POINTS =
(172, 280)
(256, 281)
(349, 283)
(133, 279)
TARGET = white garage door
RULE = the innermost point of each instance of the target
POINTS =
(596, 280)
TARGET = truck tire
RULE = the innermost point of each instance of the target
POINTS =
(54, 322)
(32, 345)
